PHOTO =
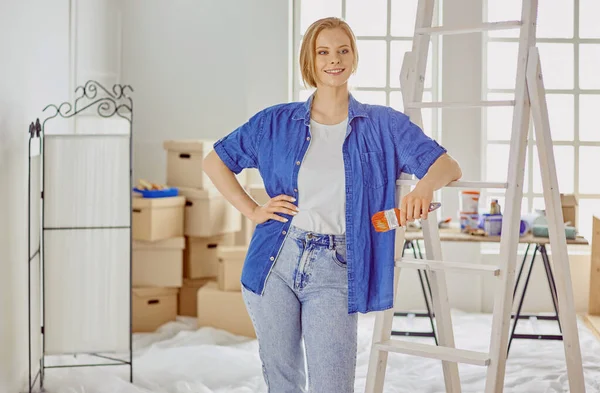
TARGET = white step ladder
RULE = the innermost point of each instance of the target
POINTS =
(529, 101)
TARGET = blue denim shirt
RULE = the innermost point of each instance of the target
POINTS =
(380, 144)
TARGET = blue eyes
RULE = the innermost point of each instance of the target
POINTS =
(324, 52)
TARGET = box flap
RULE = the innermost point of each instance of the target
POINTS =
(232, 253)
(196, 282)
(197, 193)
(174, 243)
(158, 291)
(189, 145)
(568, 200)
(139, 202)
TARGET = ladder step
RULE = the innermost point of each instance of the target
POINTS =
(458, 184)
(476, 104)
(461, 267)
(435, 352)
(511, 24)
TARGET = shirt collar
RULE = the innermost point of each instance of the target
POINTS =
(355, 109)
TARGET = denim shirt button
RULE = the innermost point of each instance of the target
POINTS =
(272, 258)
(283, 233)
(297, 162)
(295, 190)
(308, 138)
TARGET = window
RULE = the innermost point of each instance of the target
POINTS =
(568, 38)
(384, 31)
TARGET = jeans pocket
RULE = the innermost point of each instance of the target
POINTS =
(373, 169)
(339, 255)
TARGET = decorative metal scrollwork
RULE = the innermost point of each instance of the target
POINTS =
(109, 103)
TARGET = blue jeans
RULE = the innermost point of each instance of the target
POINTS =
(306, 299)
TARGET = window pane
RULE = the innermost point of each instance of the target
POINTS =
(587, 209)
(589, 58)
(588, 19)
(312, 10)
(557, 65)
(504, 10)
(589, 161)
(367, 18)
(404, 13)
(502, 65)
(496, 162)
(561, 110)
(371, 64)
(499, 118)
(539, 204)
(565, 169)
(589, 130)
(396, 103)
(555, 19)
(397, 50)
(370, 97)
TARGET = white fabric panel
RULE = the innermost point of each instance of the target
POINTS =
(36, 316)
(35, 206)
(87, 282)
(86, 181)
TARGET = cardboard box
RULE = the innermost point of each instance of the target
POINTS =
(188, 296)
(184, 163)
(569, 208)
(224, 310)
(158, 264)
(157, 218)
(152, 308)
(208, 213)
(231, 263)
(200, 259)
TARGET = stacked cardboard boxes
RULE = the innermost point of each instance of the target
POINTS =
(195, 269)
(210, 225)
(157, 260)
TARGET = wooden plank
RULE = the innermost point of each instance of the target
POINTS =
(594, 302)
(503, 299)
(489, 26)
(560, 257)
(593, 322)
(455, 235)
(458, 267)
(435, 352)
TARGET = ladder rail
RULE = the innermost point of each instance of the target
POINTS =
(514, 194)
(529, 102)
(558, 241)
(412, 85)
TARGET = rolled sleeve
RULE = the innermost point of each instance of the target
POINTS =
(416, 152)
(239, 149)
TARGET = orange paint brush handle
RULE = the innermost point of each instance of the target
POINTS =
(387, 220)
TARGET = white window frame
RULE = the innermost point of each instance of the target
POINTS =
(576, 92)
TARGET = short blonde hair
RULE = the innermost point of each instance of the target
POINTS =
(307, 50)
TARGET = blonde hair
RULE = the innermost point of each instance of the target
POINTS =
(307, 50)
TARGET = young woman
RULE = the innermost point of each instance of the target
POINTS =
(315, 260)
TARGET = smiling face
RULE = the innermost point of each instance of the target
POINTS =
(334, 58)
(328, 54)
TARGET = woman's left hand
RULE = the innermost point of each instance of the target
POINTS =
(415, 204)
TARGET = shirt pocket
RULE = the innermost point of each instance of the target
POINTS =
(373, 168)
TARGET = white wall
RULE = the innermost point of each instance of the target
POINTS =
(200, 69)
(34, 47)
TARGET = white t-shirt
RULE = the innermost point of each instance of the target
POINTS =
(321, 181)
